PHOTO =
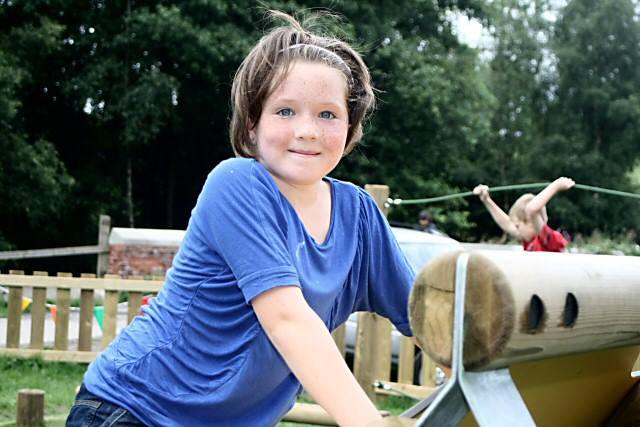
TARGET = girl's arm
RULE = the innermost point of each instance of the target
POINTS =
(306, 345)
(535, 207)
(499, 216)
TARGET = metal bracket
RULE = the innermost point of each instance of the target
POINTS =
(491, 396)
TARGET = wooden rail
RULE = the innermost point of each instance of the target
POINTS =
(112, 286)
(64, 283)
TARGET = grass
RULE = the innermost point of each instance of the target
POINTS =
(59, 381)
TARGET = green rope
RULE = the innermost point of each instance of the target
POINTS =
(397, 202)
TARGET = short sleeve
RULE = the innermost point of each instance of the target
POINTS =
(240, 216)
(389, 274)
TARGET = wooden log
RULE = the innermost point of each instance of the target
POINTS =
(38, 313)
(63, 300)
(528, 306)
(339, 336)
(311, 413)
(109, 324)
(30, 407)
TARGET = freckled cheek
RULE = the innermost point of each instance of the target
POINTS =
(336, 136)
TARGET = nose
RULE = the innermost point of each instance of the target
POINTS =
(307, 128)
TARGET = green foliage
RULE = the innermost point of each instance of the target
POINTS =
(595, 119)
(599, 244)
(122, 108)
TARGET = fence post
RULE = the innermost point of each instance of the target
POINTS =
(86, 316)
(104, 227)
(38, 313)
(30, 407)
(14, 314)
(372, 358)
(63, 300)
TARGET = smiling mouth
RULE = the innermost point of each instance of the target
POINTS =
(304, 153)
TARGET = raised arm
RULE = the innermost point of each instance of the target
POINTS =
(306, 345)
(537, 205)
(499, 216)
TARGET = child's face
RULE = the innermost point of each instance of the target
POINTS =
(302, 131)
(525, 228)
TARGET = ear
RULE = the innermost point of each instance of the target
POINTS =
(251, 127)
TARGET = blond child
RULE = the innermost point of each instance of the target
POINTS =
(527, 218)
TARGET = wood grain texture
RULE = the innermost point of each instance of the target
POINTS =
(528, 306)
(489, 310)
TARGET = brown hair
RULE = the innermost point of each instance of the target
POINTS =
(266, 66)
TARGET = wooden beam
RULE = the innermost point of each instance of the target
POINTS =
(406, 360)
(408, 390)
(51, 355)
(110, 283)
(135, 301)
(339, 336)
(54, 252)
(528, 306)
(372, 359)
(104, 228)
(311, 413)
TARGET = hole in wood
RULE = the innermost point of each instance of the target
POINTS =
(570, 312)
(536, 314)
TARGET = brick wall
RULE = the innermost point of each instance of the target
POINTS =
(140, 260)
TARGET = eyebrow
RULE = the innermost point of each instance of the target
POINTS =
(324, 103)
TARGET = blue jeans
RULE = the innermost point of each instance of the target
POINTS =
(91, 411)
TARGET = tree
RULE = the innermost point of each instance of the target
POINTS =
(519, 77)
(29, 166)
(595, 119)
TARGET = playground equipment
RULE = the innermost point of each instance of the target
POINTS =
(532, 339)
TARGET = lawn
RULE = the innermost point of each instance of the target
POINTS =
(60, 380)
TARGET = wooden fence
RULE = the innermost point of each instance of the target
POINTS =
(101, 249)
(372, 355)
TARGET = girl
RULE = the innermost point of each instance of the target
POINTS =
(275, 256)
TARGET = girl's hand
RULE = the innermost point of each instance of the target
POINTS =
(482, 191)
(563, 183)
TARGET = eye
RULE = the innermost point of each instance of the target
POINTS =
(327, 115)
(285, 112)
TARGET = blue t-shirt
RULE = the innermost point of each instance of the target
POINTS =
(199, 356)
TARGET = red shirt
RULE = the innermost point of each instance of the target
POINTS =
(549, 240)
